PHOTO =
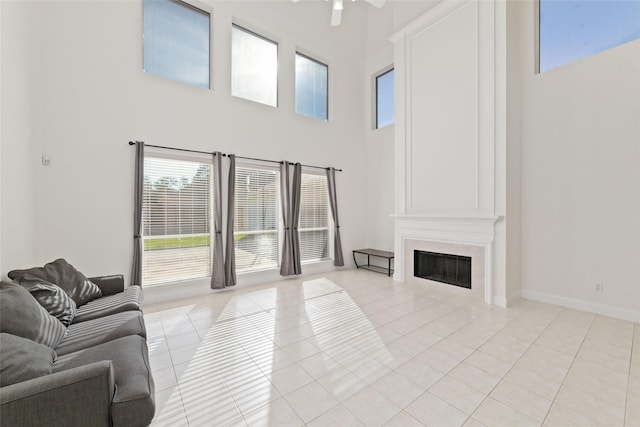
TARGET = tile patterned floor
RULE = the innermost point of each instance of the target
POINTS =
(353, 348)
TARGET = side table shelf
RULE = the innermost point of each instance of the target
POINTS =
(376, 254)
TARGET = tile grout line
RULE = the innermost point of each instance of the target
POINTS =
(626, 401)
(511, 368)
(569, 370)
(460, 363)
(252, 318)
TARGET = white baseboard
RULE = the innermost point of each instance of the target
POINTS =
(603, 309)
(505, 302)
(500, 302)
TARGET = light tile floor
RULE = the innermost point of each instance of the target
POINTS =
(353, 348)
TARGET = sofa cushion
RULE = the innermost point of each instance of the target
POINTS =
(21, 315)
(133, 402)
(130, 299)
(63, 274)
(87, 334)
(22, 359)
(51, 297)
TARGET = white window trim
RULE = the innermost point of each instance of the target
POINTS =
(330, 225)
(152, 152)
(280, 228)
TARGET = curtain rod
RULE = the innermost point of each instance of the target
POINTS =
(173, 148)
(224, 154)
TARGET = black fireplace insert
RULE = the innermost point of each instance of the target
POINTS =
(445, 268)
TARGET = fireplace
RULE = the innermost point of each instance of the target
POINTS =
(444, 268)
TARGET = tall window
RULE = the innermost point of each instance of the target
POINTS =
(384, 99)
(257, 211)
(314, 218)
(176, 41)
(254, 67)
(176, 216)
(573, 29)
(311, 87)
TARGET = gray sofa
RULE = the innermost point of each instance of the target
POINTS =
(93, 372)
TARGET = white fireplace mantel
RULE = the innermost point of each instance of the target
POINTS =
(460, 230)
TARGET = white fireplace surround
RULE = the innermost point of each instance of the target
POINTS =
(468, 231)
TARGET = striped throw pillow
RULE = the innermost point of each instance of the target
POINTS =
(51, 297)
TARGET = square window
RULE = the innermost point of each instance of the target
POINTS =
(311, 87)
(176, 41)
(384, 99)
(254, 67)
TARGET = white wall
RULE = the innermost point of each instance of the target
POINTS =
(380, 142)
(1, 139)
(510, 152)
(18, 203)
(93, 98)
(580, 127)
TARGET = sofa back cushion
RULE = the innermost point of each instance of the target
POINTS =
(51, 297)
(22, 315)
(61, 273)
(22, 359)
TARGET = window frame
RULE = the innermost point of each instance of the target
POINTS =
(152, 153)
(198, 6)
(330, 225)
(536, 36)
(279, 224)
(386, 70)
(249, 30)
(301, 53)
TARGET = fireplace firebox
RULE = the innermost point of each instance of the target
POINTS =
(444, 268)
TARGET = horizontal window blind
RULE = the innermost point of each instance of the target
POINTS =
(254, 67)
(311, 87)
(176, 39)
(176, 220)
(313, 227)
(256, 218)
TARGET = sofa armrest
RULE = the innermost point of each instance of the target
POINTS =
(109, 285)
(78, 396)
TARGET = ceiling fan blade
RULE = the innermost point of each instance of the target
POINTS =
(376, 3)
(336, 17)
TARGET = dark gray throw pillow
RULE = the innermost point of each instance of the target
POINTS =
(22, 359)
(21, 315)
(61, 273)
(51, 297)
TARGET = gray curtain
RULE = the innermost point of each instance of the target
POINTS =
(217, 268)
(230, 256)
(295, 217)
(286, 264)
(136, 266)
(338, 259)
